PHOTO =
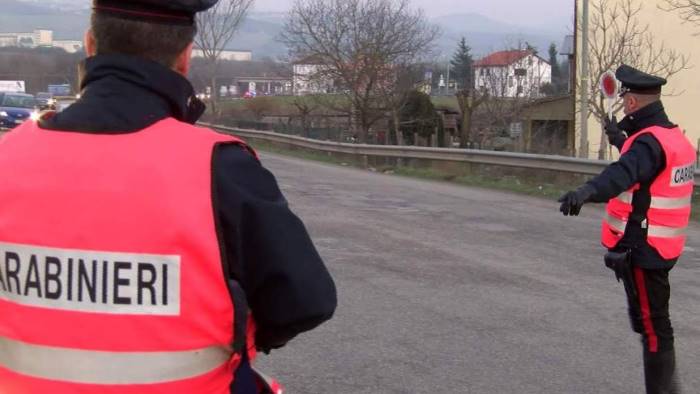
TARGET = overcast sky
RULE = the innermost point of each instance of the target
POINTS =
(518, 12)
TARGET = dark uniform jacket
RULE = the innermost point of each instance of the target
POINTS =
(642, 163)
(267, 247)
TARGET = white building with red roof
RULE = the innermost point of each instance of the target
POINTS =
(512, 73)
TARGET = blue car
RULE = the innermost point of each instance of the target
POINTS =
(15, 109)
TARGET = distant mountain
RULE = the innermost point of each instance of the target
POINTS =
(258, 33)
(485, 35)
(472, 22)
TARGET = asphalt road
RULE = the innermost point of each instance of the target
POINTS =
(449, 289)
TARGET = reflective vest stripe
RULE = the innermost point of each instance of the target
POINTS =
(666, 232)
(108, 368)
(625, 197)
(652, 230)
(615, 223)
(659, 202)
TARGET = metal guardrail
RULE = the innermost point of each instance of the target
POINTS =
(521, 160)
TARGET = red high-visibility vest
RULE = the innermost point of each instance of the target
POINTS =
(671, 195)
(111, 278)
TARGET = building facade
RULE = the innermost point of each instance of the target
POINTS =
(513, 73)
(307, 79)
(681, 94)
(235, 56)
(39, 38)
(70, 46)
(8, 40)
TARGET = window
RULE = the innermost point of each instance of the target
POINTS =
(516, 129)
(520, 72)
(18, 101)
(510, 81)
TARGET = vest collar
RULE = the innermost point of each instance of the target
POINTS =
(648, 116)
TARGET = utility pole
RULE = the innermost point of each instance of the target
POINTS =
(447, 83)
(583, 146)
(448, 77)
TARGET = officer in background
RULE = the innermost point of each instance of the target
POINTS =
(648, 191)
(122, 179)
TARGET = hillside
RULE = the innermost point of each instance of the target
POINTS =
(485, 35)
(259, 32)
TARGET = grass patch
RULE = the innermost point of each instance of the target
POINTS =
(274, 105)
(281, 105)
(298, 153)
(506, 183)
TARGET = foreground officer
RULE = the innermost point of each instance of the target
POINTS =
(649, 191)
(130, 239)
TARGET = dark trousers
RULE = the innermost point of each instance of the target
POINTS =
(649, 316)
(648, 308)
(244, 379)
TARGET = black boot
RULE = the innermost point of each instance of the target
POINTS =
(660, 372)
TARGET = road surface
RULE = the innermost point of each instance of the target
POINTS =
(450, 289)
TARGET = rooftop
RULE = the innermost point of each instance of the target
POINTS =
(502, 58)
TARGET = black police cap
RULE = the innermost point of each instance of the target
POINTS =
(636, 81)
(177, 12)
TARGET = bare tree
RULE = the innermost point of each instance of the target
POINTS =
(407, 79)
(468, 100)
(618, 37)
(39, 67)
(216, 27)
(305, 106)
(357, 44)
(689, 10)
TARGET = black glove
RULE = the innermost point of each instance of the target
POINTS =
(615, 135)
(572, 202)
(268, 340)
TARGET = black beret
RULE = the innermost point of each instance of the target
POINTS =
(635, 81)
(178, 12)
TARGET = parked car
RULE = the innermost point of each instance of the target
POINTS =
(15, 109)
(45, 100)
